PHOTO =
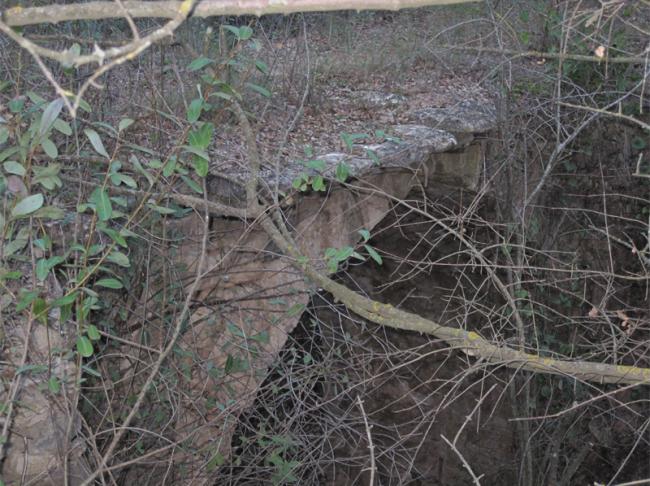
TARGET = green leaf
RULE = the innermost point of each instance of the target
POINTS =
(50, 114)
(25, 299)
(318, 184)
(241, 33)
(31, 368)
(109, 283)
(373, 254)
(49, 148)
(65, 300)
(261, 337)
(373, 156)
(39, 310)
(521, 294)
(350, 138)
(198, 151)
(216, 461)
(4, 133)
(127, 233)
(83, 104)
(27, 206)
(342, 172)
(13, 167)
(262, 67)
(48, 176)
(114, 235)
(49, 183)
(84, 347)
(93, 332)
(298, 181)
(54, 261)
(117, 179)
(259, 89)
(318, 165)
(161, 209)
(245, 33)
(120, 201)
(199, 63)
(221, 94)
(53, 385)
(124, 124)
(194, 110)
(365, 234)
(8, 152)
(50, 212)
(15, 275)
(235, 330)
(201, 166)
(141, 149)
(18, 243)
(102, 202)
(36, 98)
(202, 137)
(192, 184)
(141, 170)
(119, 258)
(91, 371)
(170, 166)
(96, 142)
(295, 310)
(62, 127)
(106, 127)
(16, 105)
(231, 29)
(347, 140)
(42, 269)
(344, 253)
(90, 303)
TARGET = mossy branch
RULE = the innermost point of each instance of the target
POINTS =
(467, 341)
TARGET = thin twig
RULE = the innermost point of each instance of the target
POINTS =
(562, 56)
(466, 465)
(371, 446)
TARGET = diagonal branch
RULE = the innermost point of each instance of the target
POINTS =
(467, 341)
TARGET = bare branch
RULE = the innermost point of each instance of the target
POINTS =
(548, 55)
(371, 447)
(18, 16)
